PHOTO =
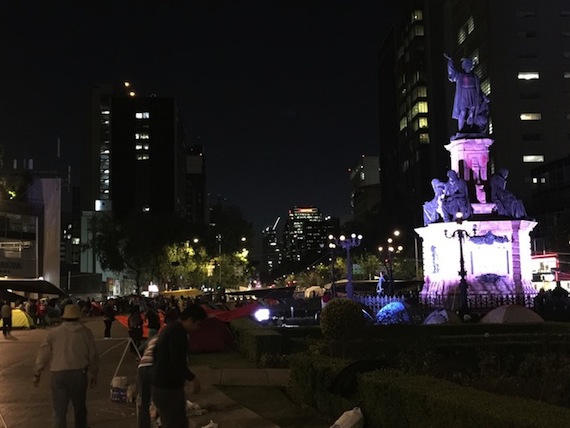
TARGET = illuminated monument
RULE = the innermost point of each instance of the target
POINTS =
(476, 235)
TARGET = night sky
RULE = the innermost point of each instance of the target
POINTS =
(281, 94)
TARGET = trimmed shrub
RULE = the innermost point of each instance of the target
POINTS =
(342, 320)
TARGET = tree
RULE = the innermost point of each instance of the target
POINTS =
(135, 243)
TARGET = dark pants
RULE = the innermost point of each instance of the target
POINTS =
(6, 325)
(145, 391)
(135, 334)
(171, 405)
(108, 325)
(69, 385)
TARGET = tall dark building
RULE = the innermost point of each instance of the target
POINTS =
(271, 248)
(136, 157)
(196, 196)
(411, 76)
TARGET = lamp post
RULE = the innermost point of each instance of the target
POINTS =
(219, 239)
(390, 260)
(461, 234)
(332, 247)
(348, 243)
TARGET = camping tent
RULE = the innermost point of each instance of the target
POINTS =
(442, 317)
(314, 291)
(511, 314)
(213, 335)
(20, 319)
(393, 313)
(189, 292)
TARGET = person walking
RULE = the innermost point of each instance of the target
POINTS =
(153, 321)
(108, 317)
(73, 361)
(6, 313)
(135, 323)
(144, 384)
(171, 370)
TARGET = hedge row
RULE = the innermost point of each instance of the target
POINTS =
(390, 398)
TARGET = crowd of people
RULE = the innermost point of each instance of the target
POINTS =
(70, 354)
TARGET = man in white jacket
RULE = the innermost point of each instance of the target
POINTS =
(73, 361)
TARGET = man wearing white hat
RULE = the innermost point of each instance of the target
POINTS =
(73, 361)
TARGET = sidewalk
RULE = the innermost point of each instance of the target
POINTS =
(23, 405)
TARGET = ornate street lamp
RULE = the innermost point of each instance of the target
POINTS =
(347, 244)
(391, 249)
(461, 234)
(332, 247)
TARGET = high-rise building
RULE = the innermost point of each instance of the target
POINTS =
(136, 156)
(305, 236)
(365, 183)
(137, 159)
(271, 248)
(196, 207)
(521, 52)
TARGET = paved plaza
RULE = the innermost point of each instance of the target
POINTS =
(22, 405)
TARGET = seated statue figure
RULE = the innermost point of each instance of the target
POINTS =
(433, 209)
(456, 198)
(505, 202)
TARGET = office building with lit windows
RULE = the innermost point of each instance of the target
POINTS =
(521, 51)
(136, 158)
(305, 236)
(365, 185)
(271, 248)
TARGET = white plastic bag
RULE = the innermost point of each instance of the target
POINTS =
(350, 419)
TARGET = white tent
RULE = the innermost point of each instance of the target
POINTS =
(511, 314)
(314, 291)
(442, 317)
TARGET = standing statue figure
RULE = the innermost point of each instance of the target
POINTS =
(470, 105)
(456, 198)
(433, 209)
(505, 202)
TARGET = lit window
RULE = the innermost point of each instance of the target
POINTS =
(146, 146)
(528, 75)
(531, 116)
(142, 115)
(533, 158)
(423, 122)
(543, 180)
(105, 112)
(486, 87)
(417, 15)
(142, 157)
(138, 146)
(567, 74)
(461, 35)
(420, 107)
(142, 136)
(362, 176)
(403, 123)
(424, 138)
(534, 180)
(75, 241)
(146, 209)
(470, 25)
